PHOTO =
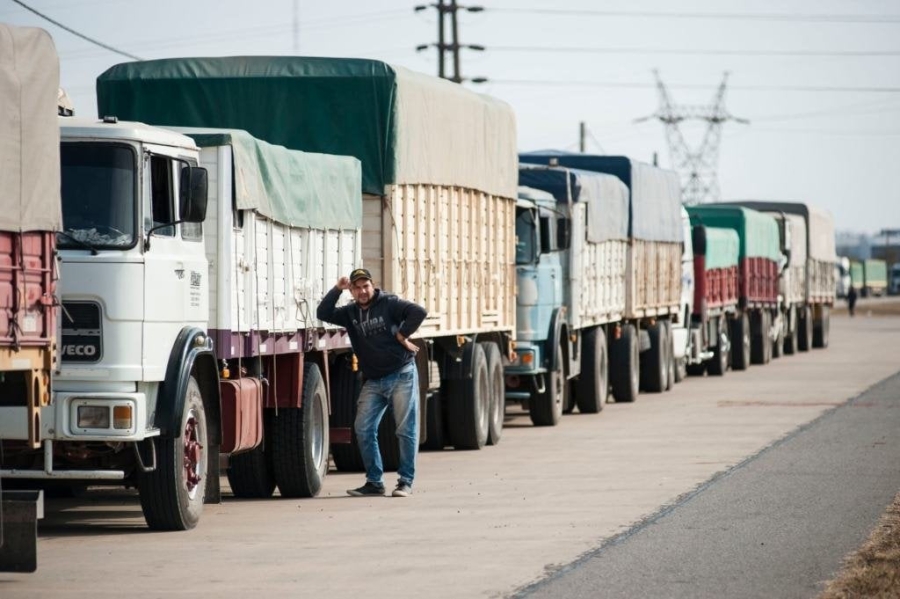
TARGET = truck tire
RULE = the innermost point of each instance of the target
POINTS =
(758, 338)
(655, 361)
(435, 431)
(593, 382)
(625, 360)
(805, 329)
(300, 440)
(467, 410)
(740, 342)
(791, 338)
(778, 344)
(718, 364)
(497, 401)
(767, 342)
(546, 408)
(822, 328)
(172, 495)
(345, 385)
(670, 347)
(251, 474)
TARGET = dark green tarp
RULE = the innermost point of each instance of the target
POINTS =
(757, 232)
(405, 127)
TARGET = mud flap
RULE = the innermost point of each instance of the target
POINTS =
(19, 513)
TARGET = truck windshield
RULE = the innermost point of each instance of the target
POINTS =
(98, 195)
(526, 236)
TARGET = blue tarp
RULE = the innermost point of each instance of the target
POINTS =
(655, 193)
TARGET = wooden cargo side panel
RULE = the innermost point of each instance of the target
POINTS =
(603, 276)
(653, 284)
(27, 284)
(449, 249)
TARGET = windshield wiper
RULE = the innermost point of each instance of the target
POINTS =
(83, 244)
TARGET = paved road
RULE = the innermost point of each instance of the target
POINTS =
(776, 525)
(481, 524)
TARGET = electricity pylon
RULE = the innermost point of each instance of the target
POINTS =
(696, 167)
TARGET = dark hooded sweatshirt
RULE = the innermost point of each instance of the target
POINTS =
(372, 330)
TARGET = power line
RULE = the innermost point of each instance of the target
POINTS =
(630, 85)
(73, 32)
(821, 18)
(663, 51)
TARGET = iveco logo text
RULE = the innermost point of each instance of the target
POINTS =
(79, 350)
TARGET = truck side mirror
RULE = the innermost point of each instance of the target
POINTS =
(194, 194)
(563, 233)
(546, 235)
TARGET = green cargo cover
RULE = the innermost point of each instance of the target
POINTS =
(758, 232)
(300, 189)
(405, 127)
(722, 248)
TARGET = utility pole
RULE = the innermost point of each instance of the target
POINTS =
(450, 7)
(581, 135)
(698, 168)
(296, 26)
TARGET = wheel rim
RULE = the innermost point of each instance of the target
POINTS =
(558, 380)
(484, 395)
(317, 445)
(193, 454)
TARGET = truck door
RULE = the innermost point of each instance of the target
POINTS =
(176, 274)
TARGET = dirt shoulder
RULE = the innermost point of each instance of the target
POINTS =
(873, 570)
(876, 306)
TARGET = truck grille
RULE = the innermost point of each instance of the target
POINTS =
(81, 332)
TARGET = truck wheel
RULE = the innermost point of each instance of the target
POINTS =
(758, 339)
(467, 410)
(778, 344)
(766, 341)
(721, 356)
(546, 408)
(497, 401)
(172, 495)
(790, 339)
(593, 382)
(300, 439)
(250, 474)
(740, 342)
(805, 329)
(821, 328)
(345, 385)
(435, 434)
(625, 360)
(655, 361)
(670, 349)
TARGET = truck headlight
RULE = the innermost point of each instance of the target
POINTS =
(93, 417)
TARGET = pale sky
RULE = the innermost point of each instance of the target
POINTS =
(819, 80)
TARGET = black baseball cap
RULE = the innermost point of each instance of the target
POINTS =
(360, 273)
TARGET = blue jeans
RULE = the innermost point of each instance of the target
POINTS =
(400, 392)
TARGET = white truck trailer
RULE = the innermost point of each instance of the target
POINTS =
(438, 201)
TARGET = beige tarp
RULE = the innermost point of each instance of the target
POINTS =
(448, 135)
(29, 132)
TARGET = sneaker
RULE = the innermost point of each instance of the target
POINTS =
(402, 490)
(368, 489)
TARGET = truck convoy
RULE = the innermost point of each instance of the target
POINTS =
(809, 283)
(640, 347)
(197, 237)
(29, 219)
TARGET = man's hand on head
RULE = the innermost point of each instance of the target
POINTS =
(343, 283)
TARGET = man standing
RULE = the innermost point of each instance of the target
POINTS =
(851, 300)
(379, 325)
